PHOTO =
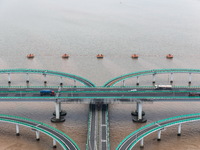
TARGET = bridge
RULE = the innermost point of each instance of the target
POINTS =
(65, 141)
(100, 97)
(138, 136)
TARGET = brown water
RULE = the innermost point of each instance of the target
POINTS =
(117, 29)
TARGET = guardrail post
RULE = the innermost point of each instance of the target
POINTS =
(190, 78)
(54, 143)
(61, 81)
(171, 78)
(179, 130)
(27, 78)
(9, 81)
(159, 135)
(154, 78)
(137, 80)
(142, 143)
(37, 135)
(17, 130)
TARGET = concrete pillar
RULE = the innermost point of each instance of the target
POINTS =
(154, 78)
(61, 81)
(17, 130)
(57, 107)
(54, 143)
(171, 78)
(37, 135)
(137, 80)
(9, 80)
(179, 130)
(27, 78)
(190, 78)
(159, 135)
(142, 143)
(45, 80)
(123, 83)
(139, 107)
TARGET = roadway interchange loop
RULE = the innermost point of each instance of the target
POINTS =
(66, 142)
(131, 140)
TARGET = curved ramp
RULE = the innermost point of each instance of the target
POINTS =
(49, 72)
(66, 142)
(131, 140)
(112, 82)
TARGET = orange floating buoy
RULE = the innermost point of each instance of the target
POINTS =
(100, 56)
(169, 56)
(134, 56)
(30, 56)
(65, 56)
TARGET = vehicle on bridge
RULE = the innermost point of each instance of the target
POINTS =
(163, 87)
(47, 92)
(194, 94)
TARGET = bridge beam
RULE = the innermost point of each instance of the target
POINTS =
(159, 135)
(17, 130)
(179, 130)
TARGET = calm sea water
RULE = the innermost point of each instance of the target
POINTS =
(115, 28)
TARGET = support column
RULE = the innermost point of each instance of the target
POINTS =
(138, 114)
(159, 135)
(171, 78)
(179, 130)
(58, 112)
(142, 143)
(17, 130)
(123, 83)
(137, 80)
(9, 80)
(54, 143)
(190, 78)
(61, 81)
(37, 135)
(74, 83)
(27, 78)
(154, 78)
(45, 80)
(139, 105)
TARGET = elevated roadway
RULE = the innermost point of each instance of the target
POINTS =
(66, 142)
(137, 136)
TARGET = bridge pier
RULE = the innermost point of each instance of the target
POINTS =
(190, 78)
(37, 135)
(74, 83)
(58, 112)
(159, 135)
(45, 80)
(138, 114)
(179, 130)
(9, 80)
(27, 78)
(154, 78)
(17, 130)
(61, 81)
(137, 80)
(123, 83)
(171, 78)
(142, 143)
(54, 143)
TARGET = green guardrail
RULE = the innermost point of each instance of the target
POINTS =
(184, 120)
(38, 128)
(148, 72)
